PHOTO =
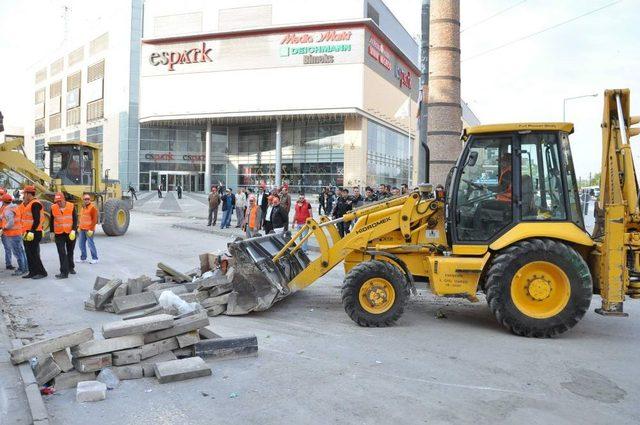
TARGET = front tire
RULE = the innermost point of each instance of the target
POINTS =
(539, 288)
(375, 293)
(116, 217)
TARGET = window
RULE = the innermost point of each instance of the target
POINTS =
(95, 110)
(41, 75)
(373, 14)
(54, 122)
(94, 134)
(56, 67)
(39, 126)
(39, 159)
(95, 72)
(388, 156)
(541, 178)
(99, 44)
(55, 89)
(73, 116)
(572, 187)
(74, 135)
(75, 56)
(39, 97)
(483, 198)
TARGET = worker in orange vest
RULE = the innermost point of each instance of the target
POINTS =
(12, 232)
(505, 179)
(88, 221)
(64, 225)
(5, 241)
(32, 212)
(252, 218)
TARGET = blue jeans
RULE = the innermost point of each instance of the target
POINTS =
(83, 238)
(306, 243)
(7, 250)
(15, 246)
(226, 218)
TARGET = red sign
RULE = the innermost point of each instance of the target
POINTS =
(327, 36)
(169, 156)
(377, 51)
(177, 58)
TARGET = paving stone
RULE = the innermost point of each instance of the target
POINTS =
(142, 313)
(50, 345)
(63, 360)
(188, 339)
(156, 286)
(189, 297)
(125, 357)
(105, 293)
(158, 347)
(121, 291)
(220, 300)
(46, 369)
(138, 326)
(202, 295)
(99, 346)
(100, 282)
(92, 363)
(70, 379)
(180, 370)
(180, 326)
(130, 303)
(137, 285)
(132, 371)
(216, 310)
(90, 305)
(148, 364)
(208, 333)
(220, 348)
(212, 281)
(176, 289)
(173, 272)
(91, 391)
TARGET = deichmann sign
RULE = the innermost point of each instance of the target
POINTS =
(315, 53)
(173, 58)
(169, 156)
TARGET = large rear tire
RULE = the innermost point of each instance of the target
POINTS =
(116, 217)
(539, 288)
(375, 293)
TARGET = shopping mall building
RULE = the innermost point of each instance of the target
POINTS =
(243, 91)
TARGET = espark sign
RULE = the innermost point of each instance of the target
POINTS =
(173, 58)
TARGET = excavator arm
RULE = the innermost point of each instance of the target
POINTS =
(12, 158)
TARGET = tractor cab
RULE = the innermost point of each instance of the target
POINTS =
(508, 174)
(73, 163)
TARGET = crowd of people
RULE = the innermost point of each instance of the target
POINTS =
(269, 211)
(22, 223)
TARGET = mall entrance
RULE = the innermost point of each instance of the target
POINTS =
(169, 180)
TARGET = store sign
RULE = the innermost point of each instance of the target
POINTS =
(309, 46)
(173, 58)
(169, 156)
(403, 75)
(323, 37)
(377, 51)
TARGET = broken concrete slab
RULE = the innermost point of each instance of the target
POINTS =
(100, 282)
(137, 285)
(180, 326)
(121, 290)
(105, 293)
(138, 326)
(148, 364)
(90, 391)
(181, 353)
(211, 282)
(63, 360)
(99, 346)
(145, 312)
(71, 379)
(130, 303)
(191, 286)
(125, 357)
(176, 289)
(108, 307)
(50, 345)
(173, 272)
(201, 296)
(220, 348)
(208, 333)
(180, 370)
(92, 363)
(189, 297)
(219, 300)
(220, 289)
(216, 310)
(157, 286)
(158, 347)
(188, 339)
(46, 369)
(132, 371)
(90, 304)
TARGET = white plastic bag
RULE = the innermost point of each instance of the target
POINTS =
(168, 299)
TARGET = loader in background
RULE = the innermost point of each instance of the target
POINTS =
(510, 226)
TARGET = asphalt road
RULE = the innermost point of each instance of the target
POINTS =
(315, 366)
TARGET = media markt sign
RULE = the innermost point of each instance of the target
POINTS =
(173, 58)
(314, 47)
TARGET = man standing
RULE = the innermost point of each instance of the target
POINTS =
(179, 190)
(5, 241)
(285, 203)
(241, 203)
(88, 221)
(227, 201)
(325, 202)
(132, 191)
(12, 231)
(64, 225)
(275, 220)
(302, 212)
(31, 212)
(262, 199)
(357, 199)
(343, 205)
(370, 195)
(252, 218)
(382, 192)
(214, 204)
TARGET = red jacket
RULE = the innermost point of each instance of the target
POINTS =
(303, 211)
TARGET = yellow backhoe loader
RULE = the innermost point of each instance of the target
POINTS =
(510, 226)
(75, 170)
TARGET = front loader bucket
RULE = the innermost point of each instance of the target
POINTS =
(258, 281)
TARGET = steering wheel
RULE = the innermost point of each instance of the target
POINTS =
(475, 185)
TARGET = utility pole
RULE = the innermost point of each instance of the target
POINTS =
(423, 155)
(444, 123)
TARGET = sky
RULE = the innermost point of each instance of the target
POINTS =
(524, 81)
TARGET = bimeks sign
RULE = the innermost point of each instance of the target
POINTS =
(173, 58)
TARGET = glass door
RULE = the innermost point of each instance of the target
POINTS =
(163, 181)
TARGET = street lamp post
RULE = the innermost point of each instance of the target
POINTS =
(564, 103)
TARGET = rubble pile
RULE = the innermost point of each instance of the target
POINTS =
(206, 288)
(169, 348)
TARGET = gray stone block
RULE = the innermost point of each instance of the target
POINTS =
(105, 293)
(132, 371)
(220, 348)
(121, 290)
(70, 379)
(50, 345)
(130, 303)
(100, 346)
(180, 326)
(208, 333)
(46, 369)
(92, 363)
(158, 347)
(216, 310)
(125, 357)
(100, 282)
(188, 339)
(137, 285)
(181, 353)
(220, 289)
(149, 364)
(176, 289)
(180, 370)
(63, 360)
(219, 300)
(90, 391)
(141, 325)
(189, 297)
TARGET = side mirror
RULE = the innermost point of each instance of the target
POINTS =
(473, 158)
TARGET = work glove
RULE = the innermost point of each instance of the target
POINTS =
(90, 233)
(28, 236)
(72, 235)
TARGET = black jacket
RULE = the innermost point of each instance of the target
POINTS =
(278, 217)
(343, 205)
(327, 203)
(264, 203)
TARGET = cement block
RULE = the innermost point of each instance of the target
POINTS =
(105, 293)
(157, 286)
(191, 286)
(92, 363)
(121, 291)
(220, 348)
(132, 371)
(179, 370)
(220, 289)
(50, 345)
(70, 379)
(149, 364)
(108, 307)
(212, 301)
(125, 357)
(208, 333)
(141, 325)
(100, 346)
(202, 295)
(188, 339)
(181, 353)
(174, 273)
(137, 285)
(46, 369)
(37, 409)
(91, 391)
(90, 304)
(99, 283)
(130, 303)
(158, 347)
(189, 297)
(212, 281)
(176, 289)
(180, 326)
(216, 310)
(63, 360)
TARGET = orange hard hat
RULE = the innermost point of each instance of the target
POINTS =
(58, 197)
(30, 189)
(3, 190)
(7, 198)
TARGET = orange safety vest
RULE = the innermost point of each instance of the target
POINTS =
(2, 207)
(16, 230)
(506, 195)
(252, 217)
(86, 217)
(27, 216)
(62, 218)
